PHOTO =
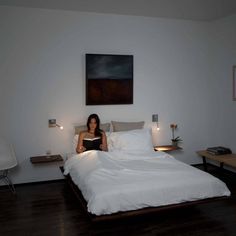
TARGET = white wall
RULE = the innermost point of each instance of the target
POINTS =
(223, 57)
(42, 76)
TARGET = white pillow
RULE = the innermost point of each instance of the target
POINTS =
(109, 143)
(140, 139)
(74, 143)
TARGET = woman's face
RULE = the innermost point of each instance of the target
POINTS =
(92, 124)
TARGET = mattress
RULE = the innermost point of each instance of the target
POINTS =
(119, 181)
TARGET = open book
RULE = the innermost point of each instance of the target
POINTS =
(92, 144)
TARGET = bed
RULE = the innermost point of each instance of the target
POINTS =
(134, 179)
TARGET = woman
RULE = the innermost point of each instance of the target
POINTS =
(93, 138)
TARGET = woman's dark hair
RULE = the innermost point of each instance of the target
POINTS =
(98, 131)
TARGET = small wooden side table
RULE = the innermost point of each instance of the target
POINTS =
(227, 159)
(167, 148)
(45, 159)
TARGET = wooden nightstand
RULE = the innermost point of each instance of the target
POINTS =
(167, 148)
(226, 159)
(45, 159)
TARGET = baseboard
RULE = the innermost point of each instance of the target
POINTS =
(34, 183)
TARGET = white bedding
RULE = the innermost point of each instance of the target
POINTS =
(121, 181)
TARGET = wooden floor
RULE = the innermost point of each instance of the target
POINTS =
(51, 209)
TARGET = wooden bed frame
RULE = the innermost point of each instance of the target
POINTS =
(122, 215)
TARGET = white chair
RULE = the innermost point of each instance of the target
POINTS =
(7, 161)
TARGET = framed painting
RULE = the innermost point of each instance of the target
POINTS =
(234, 83)
(109, 79)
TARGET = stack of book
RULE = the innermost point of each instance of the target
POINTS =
(219, 150)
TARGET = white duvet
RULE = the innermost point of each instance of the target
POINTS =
(120, 181)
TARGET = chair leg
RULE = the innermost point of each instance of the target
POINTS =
(7, 181)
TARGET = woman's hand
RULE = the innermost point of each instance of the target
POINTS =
(103, 147)
(80, 149)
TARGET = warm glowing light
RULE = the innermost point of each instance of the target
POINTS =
(59, 126)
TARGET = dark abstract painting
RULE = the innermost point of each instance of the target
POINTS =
(109, 79)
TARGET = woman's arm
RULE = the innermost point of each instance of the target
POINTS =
(103, 146)
(80, 148)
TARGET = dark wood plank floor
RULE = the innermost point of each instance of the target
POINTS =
(51, 209)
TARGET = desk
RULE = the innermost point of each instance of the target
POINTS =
(227, 159)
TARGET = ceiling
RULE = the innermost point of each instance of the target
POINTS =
(200, 10)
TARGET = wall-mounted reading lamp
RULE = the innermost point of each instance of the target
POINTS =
(155, 119)
(52, 123)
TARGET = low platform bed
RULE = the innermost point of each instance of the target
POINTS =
(122, 215)
(133, 179)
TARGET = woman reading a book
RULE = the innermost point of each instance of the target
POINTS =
(93, 138)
